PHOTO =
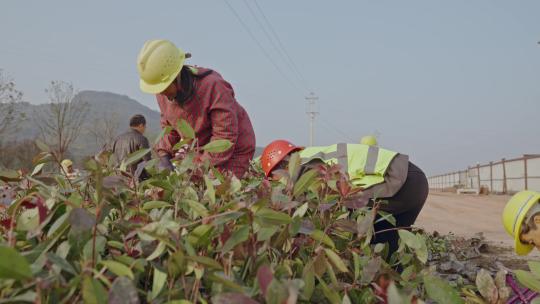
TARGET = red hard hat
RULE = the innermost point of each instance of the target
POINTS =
(275, 152)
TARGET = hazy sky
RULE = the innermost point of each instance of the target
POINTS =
(451, 83)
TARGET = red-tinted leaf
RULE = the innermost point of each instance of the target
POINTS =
(6, 223)
(347, 225)
(265, 277)
(356, 202)
(343, 186)
(42, 209)
(325, 207)
(371, 269)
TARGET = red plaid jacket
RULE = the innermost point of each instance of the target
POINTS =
(214, 113)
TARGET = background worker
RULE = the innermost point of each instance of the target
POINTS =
(521, 219)
(67, 168)
(201, 97)
(132, 141)
(381, 173)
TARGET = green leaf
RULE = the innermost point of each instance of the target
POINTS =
(394, 296)
(301, 211)
(61, 263)
(410, 239)
(308, 275)
(200, 235)
(93, 292)
(123, 292)
(116, 245)
(133, 158)
(528, 280)
(304, 182)
(440, 291)
(155, 205)
(118, 269)
(217, 146)
(266, 233)
(294, 166)
(329, 293)
(356, 262)
(29, 296)
(336, 260)
(42, 146)
(13, 265)
(268, 216)
(37, 169)
(210, 190)
(160, 248)
(320, 236)
(276, 293)
(28, 220)
(185, 129)
(229, 217)
(239, 236)
(9, 175)
(160, 278)
(197, 207)
(206, 261)
(534, 266)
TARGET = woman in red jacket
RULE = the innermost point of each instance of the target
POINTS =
(201, 97)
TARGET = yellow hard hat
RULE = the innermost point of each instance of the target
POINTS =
(514, 214)
(158, 63)
(369, 140)
(66, 163)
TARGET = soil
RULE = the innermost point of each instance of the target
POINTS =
(473, 217)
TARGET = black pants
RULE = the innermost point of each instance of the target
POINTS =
(405, 206)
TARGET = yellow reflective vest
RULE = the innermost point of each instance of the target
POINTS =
(366, 165)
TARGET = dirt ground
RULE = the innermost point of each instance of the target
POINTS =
(466, 215)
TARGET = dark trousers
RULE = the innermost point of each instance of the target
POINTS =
(405, 206)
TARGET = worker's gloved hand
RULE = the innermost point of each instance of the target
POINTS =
(165, 163)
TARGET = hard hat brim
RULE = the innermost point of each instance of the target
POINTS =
(520, 248)
(159, 87)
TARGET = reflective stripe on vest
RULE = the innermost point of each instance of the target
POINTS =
(371, 160)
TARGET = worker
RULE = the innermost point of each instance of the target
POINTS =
(381, 173)
(132, 141)
(202, 98)
(67, 169)
(521, 219)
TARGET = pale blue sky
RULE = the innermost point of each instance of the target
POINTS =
(451, 83)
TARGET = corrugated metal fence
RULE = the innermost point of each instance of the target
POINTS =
(504, 176)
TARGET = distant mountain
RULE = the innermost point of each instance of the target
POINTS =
(102, 105)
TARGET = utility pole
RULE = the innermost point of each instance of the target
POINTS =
(312, 111)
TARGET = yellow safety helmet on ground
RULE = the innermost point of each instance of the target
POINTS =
(159, 62)
(514, 214)
(369, 140)
(66, 163)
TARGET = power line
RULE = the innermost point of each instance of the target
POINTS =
(288, 62)
(337, 130)
(246, 28)
(294, 66)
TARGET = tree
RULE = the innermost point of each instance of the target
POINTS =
(62, 120)
(104, 129)
(9, 97)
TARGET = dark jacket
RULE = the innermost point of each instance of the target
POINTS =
(128, 143)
